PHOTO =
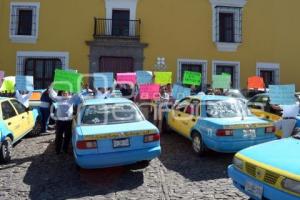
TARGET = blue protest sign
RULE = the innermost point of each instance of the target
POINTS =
(179, 92)
(144, 77)
(104, 80)
(24, 83)
(282, 94)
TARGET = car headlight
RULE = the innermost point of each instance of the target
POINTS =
(238, 163)
(291, 185)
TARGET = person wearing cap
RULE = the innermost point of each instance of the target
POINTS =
(64, 115)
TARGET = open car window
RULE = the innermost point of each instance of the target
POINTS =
(193, 108)
(182, 105)
(115, 113)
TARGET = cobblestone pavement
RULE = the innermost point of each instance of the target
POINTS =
(36, 172)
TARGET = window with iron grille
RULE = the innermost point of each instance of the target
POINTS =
(228, 24)
(24, 21)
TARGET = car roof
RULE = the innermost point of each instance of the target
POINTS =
(210, 97)
(94, 101)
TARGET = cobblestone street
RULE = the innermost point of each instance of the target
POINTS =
(36, 172)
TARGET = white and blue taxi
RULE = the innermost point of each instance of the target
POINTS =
(113, 132)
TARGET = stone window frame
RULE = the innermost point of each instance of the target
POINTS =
(23, 55)
(236, 64)
(13, 25)
(227, 6)
(275, 67)
(204, 64)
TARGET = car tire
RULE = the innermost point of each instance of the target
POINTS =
(197, 144)
(165, 126)
(6, 150)
(37, 129)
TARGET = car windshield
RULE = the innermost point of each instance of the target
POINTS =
(114, 113)
(226, 109)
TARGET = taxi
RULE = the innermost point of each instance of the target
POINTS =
(220, 123)
(268, 171)
(113, 132)
(15, 122)
(259, 105)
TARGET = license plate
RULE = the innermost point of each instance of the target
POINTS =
(119, 143)
(254, 189)
(250, 133)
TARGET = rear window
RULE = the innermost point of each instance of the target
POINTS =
(110, 114)
(36, 96)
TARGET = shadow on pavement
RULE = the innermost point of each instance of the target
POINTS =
(52, 176)
(177, 155)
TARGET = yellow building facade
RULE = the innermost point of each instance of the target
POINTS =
(241, 37)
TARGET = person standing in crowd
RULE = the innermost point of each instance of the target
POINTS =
(23, 97)
(193, 90)
(64, 115)
(288, 121)
(45, 105)
(109, 92)
(86, 90)
(100, 93)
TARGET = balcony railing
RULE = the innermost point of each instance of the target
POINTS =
(108, 28)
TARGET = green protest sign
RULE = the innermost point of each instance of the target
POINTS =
(192, 78)
(222, 81)
(67, 81)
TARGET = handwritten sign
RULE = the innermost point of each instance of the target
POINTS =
(163, 78)
(282, 94)
(222, 81)
(256, 82)
(192, 78)
(144, 77)
(103, 80)
(149, 91)
(179, 92)
(126, 78)
(1, 77)
(67, 81)
(8, 84)
(24, 83)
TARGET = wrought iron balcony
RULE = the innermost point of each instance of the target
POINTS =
(108, 28)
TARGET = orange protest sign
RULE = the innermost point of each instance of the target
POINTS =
(36, 96)
(256, 82)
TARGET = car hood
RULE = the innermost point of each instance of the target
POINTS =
(237, 122)
(281, 154)
(114, 130)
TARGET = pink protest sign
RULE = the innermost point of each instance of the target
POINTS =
(149, 91)
(126, 78)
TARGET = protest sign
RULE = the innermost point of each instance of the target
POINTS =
(222, 81)
(149, 91)
(144, 77)
(282, 94)
(24, 83)
(163, 78)
(192, 78)
(1, 77)
(179, 92)
(8, 84)
(126, 78)
(67, 81)
(103, 80)
(256, 82)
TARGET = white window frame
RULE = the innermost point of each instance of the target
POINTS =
(203, 63)
(130, 5)
(226, 46)
(13, 25)
(23, 55)
(275, 67)
(236, 65)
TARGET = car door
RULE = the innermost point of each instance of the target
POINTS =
(11, 119)
(177, 115)
(26, 117)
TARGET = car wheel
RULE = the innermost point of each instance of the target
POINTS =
(197, 143)
(6, 150)
(37, 129)
(165, 126)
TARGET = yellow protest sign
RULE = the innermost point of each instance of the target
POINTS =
(163, 78)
